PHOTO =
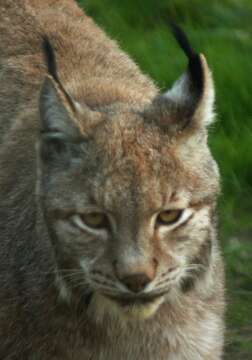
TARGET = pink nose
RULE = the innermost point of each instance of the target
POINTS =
(136, 282)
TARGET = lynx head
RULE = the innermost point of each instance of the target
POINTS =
(128, 194)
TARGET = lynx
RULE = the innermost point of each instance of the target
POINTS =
(108, 245)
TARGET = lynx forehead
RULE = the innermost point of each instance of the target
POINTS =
(107, 203)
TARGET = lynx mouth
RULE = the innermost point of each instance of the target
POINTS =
(126, 308)
(128, 301)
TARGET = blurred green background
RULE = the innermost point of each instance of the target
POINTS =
(222, 30)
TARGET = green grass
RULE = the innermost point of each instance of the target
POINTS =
(222, 30)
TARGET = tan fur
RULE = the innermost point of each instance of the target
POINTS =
(125, 150)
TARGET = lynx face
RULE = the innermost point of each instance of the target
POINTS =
(129, 194)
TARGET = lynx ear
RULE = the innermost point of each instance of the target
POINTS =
(59, 131)
(55, 112)
(189, 103)
(193, 93)
(58, 111)
(56, 104)
(52, 70)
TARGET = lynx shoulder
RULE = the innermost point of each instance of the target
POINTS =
(108, 244)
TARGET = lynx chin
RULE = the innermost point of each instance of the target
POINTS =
(108, 190)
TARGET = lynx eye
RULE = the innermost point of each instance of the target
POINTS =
(169, 217)
(94, 220)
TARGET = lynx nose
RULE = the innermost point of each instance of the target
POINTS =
(135, 274)
(136, 282)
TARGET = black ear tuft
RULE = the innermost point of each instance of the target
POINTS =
(50, 59)
(194, 62)
(189, 103)
(197, 74)
(182, 40)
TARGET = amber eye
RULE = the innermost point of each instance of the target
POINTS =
(95, 220)
(169, 217)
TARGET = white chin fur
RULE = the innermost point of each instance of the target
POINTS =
(101, 307)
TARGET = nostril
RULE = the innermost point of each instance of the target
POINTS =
(172, 269)
(137, 282)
